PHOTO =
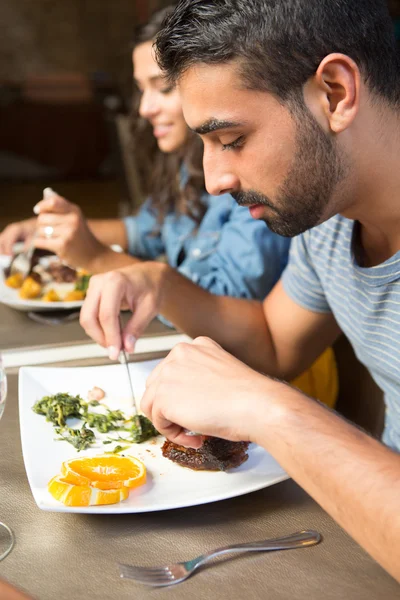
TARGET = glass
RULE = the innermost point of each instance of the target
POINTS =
(6, 535)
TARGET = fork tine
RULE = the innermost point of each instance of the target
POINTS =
(151, 580)
(143, 570)
(143, 573)
(161, 578)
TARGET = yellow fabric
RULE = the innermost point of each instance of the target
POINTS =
(320, 381)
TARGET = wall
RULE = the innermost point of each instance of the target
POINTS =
(48, 36)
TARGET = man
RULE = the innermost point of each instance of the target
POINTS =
(298, 105)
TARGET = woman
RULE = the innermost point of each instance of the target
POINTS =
(209, 239)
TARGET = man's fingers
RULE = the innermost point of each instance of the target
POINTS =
(205, 341)
(89, 317)
(143, 313)
(112, 298)
(173, 431)
(154, 374)
(176, 434)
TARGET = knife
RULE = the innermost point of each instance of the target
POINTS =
(124, 361)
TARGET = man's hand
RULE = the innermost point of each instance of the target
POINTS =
(200, 387)
(63, 229)
(16, 232)
(138, 288)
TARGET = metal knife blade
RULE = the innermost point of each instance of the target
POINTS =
(124, 361)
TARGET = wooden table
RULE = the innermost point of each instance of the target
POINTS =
(73, 557)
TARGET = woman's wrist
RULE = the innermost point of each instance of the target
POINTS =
(105, 259)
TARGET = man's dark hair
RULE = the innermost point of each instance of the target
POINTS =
(279, 44)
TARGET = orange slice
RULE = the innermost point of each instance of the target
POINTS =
(84, 495)
(105, 472)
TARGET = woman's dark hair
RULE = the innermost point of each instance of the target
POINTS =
(159, 172)
(279, 44)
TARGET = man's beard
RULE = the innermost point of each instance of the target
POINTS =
(316, 170)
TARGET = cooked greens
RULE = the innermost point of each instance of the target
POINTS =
(60, 407)
(82, 283)
(147, 430)
(79, 438)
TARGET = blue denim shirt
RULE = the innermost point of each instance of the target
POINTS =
(229, 253)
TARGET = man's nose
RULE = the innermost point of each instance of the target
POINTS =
(218, 179)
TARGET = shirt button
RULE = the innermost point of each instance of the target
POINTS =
(196, 252)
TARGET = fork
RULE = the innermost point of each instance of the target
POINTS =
(23, 262)
(177, 572)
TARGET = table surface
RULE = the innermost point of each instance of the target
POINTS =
(17, 330)
(72, 556)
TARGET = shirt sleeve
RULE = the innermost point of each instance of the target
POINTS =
(144, 233)
(300, 278)
(247, 261)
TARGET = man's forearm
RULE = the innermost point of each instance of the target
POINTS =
(109, 231)
(352, 476)
(108, 260)
(238, 325)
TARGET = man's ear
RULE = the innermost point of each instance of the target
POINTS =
(334, 91)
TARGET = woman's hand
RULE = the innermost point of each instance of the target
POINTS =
(63, 229)
(16, 232)
(200, 387)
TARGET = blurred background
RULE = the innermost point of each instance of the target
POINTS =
(65, 84)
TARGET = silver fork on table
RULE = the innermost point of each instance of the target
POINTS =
(177, 572)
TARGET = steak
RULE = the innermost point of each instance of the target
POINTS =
(214, 455)
(61, 273)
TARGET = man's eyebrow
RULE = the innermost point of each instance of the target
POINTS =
(152, 78)
(214, 125)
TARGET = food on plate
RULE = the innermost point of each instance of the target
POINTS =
(81, 439)
(31, 288)
(61, 273)
(49, 280)
(147, 429)
(97, 480)
(74, 296)
(82, 282)
(36, 256)
(105, 472)
(51, 296)
(14, 281)
(83, 495)
(214, 455)
(60, 407)
(96, 393)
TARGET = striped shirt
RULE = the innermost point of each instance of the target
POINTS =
(323, 276)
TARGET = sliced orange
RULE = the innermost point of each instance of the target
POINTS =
(105, 472)
(84, 495)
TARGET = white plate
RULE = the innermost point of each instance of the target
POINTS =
(10, 296)
(168, 486)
